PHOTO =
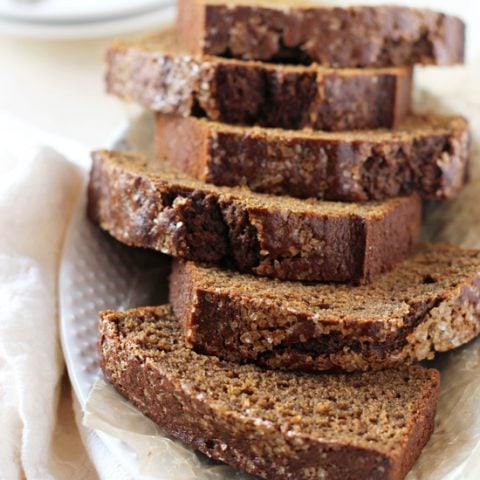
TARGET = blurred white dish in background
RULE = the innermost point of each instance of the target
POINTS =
(101, 27)
(53, 11)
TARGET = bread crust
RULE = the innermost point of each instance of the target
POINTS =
(149, 205)
(360, 36)
(164, 78)
(156, 381)
(427, 154)
(429, 303)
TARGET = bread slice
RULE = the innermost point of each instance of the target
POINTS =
(429, 303)
(158, 73)
(427, 154)
(277, 425)
(304, 32)
(152, 205)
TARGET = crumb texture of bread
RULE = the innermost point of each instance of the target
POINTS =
(157, 73)
(277, 425)
(359, 36)
(427, 154)
(150, 204)
(429, 303)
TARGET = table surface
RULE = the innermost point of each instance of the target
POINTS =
(58, 86)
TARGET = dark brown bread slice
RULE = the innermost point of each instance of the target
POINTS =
(150, 204)
(302, 32)
(277, 425)
(429, 303)
(425, 154)
(158, 73)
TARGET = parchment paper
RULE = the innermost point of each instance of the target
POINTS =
(453, 452)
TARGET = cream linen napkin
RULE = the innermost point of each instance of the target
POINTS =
(38, 189)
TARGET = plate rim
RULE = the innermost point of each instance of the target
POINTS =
(122, 453)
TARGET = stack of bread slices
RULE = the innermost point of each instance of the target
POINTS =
(287, 184)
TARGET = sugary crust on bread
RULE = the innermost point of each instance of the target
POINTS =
(427, 154)
(360, 36)
(429, 303)
(276, 425)
(151, 205)
(159, 75)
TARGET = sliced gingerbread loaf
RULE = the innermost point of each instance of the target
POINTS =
(277, 425)
(427, 154)
(159, 74)
(151, 204)
(304, 32)
(429, 303)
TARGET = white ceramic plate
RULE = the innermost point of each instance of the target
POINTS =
(98, 273)
(74, 11)
(81, 281)
(105, 27)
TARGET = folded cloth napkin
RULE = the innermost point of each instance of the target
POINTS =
(38, 189)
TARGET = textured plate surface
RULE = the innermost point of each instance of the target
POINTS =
(98, 273)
